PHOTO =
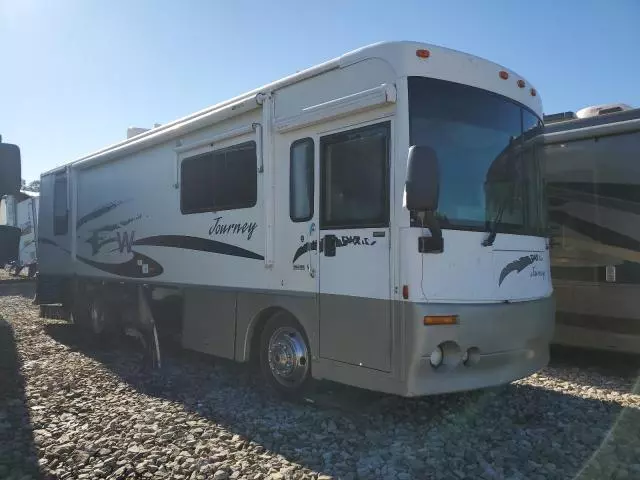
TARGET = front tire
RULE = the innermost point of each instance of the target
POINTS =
(285, 359)
(97, 318)
(89, 315)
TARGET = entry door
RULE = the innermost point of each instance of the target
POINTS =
(354, 283)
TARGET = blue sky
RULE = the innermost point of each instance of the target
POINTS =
(74, 74)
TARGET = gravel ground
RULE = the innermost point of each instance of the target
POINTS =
(73, 409)
(5, 276)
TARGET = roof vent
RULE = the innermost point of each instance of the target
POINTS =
(605, 109)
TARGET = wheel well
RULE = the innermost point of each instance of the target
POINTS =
(259, 324)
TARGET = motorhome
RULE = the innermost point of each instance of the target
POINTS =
(593, 183)
(375, 220)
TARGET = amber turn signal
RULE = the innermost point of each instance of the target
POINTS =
(441, 320)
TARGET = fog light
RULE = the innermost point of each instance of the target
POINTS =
(471, 357)
(465, 357)
(436, 357)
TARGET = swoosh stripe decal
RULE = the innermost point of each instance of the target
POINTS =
(98, 212)
(131, 268)
(199, 244)
(302, 249)
(594, 231)
(515, 266)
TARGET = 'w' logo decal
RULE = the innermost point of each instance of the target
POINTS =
(126, 240)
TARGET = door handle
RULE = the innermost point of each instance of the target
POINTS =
(310, 269)
(330, 245)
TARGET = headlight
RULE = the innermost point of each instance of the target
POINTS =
(436, 357)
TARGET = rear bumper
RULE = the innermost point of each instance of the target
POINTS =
(509, 341)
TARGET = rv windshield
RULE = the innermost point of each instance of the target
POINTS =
(484, 169)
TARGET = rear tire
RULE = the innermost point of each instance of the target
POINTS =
(285, 358)
(78, 314)
(90, 315)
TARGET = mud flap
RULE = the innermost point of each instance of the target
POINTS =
(144, 329)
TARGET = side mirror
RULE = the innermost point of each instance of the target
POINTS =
(422, 188)
(10, 173)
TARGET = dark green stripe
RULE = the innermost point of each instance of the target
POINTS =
(626, 273)
(626, 326)
(560, 195)
(594, 231)
(199, 244)
(621, 191)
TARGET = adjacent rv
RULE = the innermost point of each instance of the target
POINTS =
(593, 183)
(21, 211)
(376, 220)
(10, 180)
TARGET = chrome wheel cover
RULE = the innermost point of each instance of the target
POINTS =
(288, 357)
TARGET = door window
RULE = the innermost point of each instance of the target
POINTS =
(301, 180)
(355, 178)
(60, 207)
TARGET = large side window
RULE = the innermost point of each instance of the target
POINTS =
(220, 180)
(301, 180)
(60, 206)
(355, 178)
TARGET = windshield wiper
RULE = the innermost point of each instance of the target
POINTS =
(493, 226)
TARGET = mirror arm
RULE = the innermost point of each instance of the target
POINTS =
(433, 243)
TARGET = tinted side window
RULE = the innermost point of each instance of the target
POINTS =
(221, 180)
(355, 178)
(60, 207)
(301, 180)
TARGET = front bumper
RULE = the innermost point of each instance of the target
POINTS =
(508, 340)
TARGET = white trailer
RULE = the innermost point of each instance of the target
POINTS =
(593, 182)
(279, 224)
(21, 211)
(8, 210)
(27, 222)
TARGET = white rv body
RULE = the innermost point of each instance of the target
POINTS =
(125, 215)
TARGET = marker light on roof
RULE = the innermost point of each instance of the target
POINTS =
(533, 92)
(503, 75)
(422, 53)
(521, 83)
